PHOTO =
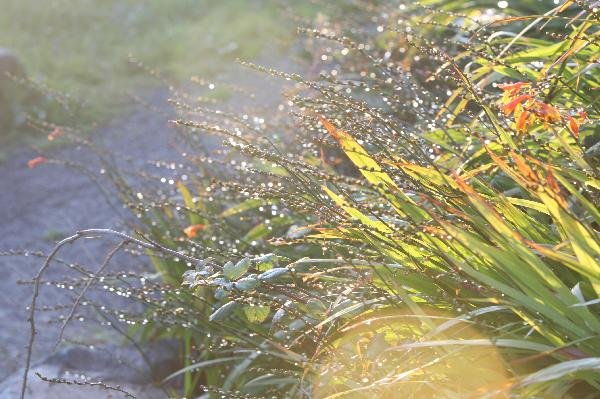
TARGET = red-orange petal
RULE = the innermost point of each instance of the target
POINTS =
(522, 122)
(510, 107)
(334, 131)
(56, 133)
(551, 181)
(36, 162)
(547, 112)
(512, 88)
(573, 126)
(192, 231)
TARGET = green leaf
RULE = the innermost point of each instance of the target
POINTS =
(221, 293)
(257, 313)
(505, 343)
(246, 283)
(233, 272)
(188, 200)
(269, 380)
(273, 273)
(375, 224)
(263, 229)
(374, 174)
(536, 54)
(265, 262)
(243, 207)
(562, 369)
(201, 365)
(537, 206)
(223, 311)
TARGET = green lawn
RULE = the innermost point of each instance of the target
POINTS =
(81, 47)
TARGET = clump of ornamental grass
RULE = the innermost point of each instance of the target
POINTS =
(420, 220)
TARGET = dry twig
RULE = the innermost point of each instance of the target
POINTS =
(69, 240)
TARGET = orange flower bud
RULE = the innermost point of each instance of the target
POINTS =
(56, 133)
(512, 88)
(573, 126)
(547, 112)
(36, 161)
(522, 121)
(510, 107)
(192, 231)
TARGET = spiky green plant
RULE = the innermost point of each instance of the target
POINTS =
(422, 223)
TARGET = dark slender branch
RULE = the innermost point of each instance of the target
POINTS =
(149, 245)
(36, 291)
(85, 383)
(86, 287)
(36, 288)
(137, 346)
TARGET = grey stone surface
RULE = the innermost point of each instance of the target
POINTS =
(114, 365)
(38, 389)
(37, 204)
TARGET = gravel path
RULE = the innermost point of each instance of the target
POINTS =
(38, 205)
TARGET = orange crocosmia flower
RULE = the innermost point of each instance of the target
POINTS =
(192, 231)
(547, 112)
(573, 126)
(512, 88)
(56, 133)
(522, 121)
(36, 161)
(510, 107)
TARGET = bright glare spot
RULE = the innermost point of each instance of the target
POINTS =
(502, 4)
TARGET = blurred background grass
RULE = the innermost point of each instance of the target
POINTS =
(81, 48)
